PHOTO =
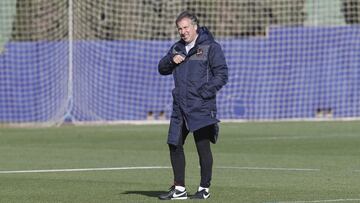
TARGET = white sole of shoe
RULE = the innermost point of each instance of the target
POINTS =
(179, 198)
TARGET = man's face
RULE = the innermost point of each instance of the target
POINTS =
(187, 30)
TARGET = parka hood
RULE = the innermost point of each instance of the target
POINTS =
(204, 35)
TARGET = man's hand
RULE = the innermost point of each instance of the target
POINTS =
(178, 58)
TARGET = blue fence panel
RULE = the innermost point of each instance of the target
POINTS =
(291, 73)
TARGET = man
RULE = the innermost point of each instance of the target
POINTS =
(199, 70)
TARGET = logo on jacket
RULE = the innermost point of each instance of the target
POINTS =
(199, 52)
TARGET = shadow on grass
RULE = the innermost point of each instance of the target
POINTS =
(145, 193)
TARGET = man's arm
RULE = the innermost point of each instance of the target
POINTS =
(219, 70)
(168, 63)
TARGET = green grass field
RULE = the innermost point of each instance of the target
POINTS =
(280, 162)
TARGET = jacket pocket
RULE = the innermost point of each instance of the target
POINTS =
(207, 93)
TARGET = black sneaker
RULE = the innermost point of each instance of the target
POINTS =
(173, 194)
(202, 194)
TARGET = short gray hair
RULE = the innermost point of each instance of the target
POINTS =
(187, 14)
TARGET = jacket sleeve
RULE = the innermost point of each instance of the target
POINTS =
(166, 64)
(219, 70)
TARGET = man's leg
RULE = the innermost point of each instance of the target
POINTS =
(202, 140)
(177, 158)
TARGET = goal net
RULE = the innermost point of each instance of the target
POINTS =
(96, 61)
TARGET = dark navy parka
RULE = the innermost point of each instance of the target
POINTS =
(197, 80)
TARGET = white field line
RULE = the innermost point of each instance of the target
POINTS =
(145, 168)
(322, 201)
(85, 169)
(299, 137)
(268, 169)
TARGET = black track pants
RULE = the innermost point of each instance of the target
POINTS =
(177, 157)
